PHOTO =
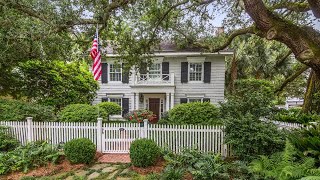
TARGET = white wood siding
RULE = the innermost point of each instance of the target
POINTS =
(213, 90)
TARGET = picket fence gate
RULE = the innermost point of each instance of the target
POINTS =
(117, 137)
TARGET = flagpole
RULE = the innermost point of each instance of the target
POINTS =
(97, 34)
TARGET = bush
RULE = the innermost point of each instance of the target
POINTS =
(144, 152)
(13, 110)
(250, 96)
(23, 158)
(140, 115)
(7, 142)
(80, 150)
(250, 137)
(110, 108)
(81, 113)
(201, 166)
(194, 113)
(295, 115)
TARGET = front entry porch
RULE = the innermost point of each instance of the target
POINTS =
(158, 103)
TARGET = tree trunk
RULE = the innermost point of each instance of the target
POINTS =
(303, 41)
(311, 103)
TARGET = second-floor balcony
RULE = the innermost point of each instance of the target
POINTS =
(153, 79)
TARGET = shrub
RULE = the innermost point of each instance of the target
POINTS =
(7, 142)
(250, 137)
(194, 113)
(110, 108)
(80, 150)
(81, 113)
(295, 115)
(200, 165)
(250, 96)
(13, 110)
(140, 115)
(144, 152)
(23, 158)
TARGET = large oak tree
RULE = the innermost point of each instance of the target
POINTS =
(137, 27)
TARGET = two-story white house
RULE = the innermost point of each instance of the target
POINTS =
(175, 77)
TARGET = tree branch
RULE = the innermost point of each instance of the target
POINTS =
(283, 59)
(228, 41)
(315, 7)
(292, 6)
(291, 78)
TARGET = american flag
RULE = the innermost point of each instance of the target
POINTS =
(96, 57)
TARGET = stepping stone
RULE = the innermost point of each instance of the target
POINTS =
(111, 176)
(125, 171)
(81, 173)
(109, 169)
(93, 175)
(99, 166)
(69, 178)
(123, 178)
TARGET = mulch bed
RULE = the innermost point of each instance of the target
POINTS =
(157, 168)
(47, 170)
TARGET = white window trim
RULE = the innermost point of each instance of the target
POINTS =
(202, 72)
(112, 63)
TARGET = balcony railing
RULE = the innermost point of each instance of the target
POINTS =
(153, 79)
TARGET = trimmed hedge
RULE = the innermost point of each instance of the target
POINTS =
(144, 152)
(194, 113)
(81, 113)
(80, 150)
(110, 108)
(13, 110)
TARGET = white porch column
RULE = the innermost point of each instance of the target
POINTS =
(132, 101)
(137, 101)
(167, 102)
(172, 100)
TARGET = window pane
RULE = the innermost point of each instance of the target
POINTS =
(115, 73)
(195, 72)
(195, 100)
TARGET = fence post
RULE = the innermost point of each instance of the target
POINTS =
(99, 135)
(145, 128)
(29, 129)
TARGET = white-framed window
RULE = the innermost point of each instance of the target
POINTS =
(195, 100)
(195, 71)
(117, 101)
(155, 71)
(115, 72)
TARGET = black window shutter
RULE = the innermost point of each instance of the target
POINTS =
(165, 70)
(207, 72)
(183, 100)
(206, 99)
(125, 106)
(105, 99)
(104, 75)
(125, 75)
(184, 72)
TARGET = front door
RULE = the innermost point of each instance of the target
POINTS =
(154, 106)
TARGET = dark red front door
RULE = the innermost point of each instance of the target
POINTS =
(154, 106)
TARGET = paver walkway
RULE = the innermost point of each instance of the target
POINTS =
(114, 158)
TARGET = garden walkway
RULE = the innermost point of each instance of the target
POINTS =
(114, 158)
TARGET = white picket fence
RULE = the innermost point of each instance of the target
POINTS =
(117, 137)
